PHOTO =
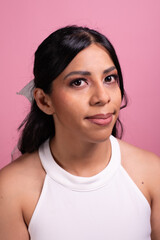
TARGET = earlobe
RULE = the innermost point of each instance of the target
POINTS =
(43, 101)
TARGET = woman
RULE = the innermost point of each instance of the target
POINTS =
(75, 179)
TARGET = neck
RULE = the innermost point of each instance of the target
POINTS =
(81, 158)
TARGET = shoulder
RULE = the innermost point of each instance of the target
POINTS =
(134, 156)
(128, 148)
(143, 166)
(21, 176)
(144, 169)
(26, 169)
(20, 182)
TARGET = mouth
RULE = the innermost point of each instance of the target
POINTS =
(101, 119)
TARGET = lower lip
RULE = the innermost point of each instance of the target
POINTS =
(101, 121)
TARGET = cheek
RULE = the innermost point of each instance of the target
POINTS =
(117, 98)
(60, 102)
(65, 104)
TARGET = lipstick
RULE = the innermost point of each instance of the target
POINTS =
(101, 119)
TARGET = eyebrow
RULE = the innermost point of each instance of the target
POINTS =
(109, 69)
(86, 73)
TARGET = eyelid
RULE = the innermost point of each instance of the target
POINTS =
(114, 79)
(77, 79)
(113, 73)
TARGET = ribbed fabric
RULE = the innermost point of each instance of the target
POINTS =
(107, 206)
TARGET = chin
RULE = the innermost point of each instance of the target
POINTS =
(99, 137)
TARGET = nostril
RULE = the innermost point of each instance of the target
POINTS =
(100, 100)
(100, 95)
(97, 103)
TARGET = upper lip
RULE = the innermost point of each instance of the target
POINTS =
(100, 116)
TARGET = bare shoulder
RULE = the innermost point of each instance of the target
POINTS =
(139, 158)
(25, 170)
(20, 183)
(144, 169)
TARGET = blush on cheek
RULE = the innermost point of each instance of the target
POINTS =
(66, 100)
(118, 98)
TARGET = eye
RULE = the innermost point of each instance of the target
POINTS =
(78, 82)
(111, 78)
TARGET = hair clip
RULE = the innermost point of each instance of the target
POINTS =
(27, 91)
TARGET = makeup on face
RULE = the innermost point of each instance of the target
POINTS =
(86, 96)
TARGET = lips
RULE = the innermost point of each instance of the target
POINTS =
(101, 119)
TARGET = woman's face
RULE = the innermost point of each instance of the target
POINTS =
(86, 97)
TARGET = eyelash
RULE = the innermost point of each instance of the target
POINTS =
(72, 83)
(114, 76)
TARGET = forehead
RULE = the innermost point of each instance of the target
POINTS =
(91, 58)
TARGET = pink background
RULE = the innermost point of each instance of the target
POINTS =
(132, 26)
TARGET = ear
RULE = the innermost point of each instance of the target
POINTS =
(43, 101)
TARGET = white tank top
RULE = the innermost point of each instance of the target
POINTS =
(106, 206)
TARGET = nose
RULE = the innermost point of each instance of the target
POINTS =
(100, 95)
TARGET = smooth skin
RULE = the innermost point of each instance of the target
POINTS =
(88, 86)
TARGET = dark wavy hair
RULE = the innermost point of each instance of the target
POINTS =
(51, 58)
